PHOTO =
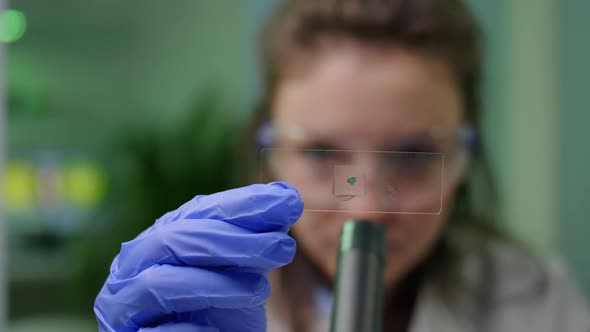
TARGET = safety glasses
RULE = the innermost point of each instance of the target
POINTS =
(408, 175)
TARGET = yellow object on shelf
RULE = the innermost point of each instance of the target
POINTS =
(19, 187)
(84, 185)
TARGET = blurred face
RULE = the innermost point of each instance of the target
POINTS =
(352, 97)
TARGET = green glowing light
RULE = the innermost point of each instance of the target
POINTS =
(13, 25)
(351, 180)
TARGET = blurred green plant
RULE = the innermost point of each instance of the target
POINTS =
(154, 170)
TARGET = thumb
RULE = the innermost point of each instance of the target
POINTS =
(179, 327)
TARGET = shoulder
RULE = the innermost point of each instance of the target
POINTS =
(518, 289)
(540, 290)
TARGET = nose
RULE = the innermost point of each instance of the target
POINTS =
(369, 200)
(371, 206)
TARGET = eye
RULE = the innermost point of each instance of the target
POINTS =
(319, 160)
(415, 143)
(410, 165)
(417, 147)
(320, 152)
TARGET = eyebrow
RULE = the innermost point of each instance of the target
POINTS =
(267, 134)
(420, 141)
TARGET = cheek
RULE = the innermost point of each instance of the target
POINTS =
(318, 236)
(416, 234)
(409, 244)
(414, 239)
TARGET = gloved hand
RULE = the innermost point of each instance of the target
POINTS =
(204, 266)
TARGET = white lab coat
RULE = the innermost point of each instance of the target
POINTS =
(520, 294)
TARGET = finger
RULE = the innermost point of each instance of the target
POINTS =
(226, 320)
(238, 320)
(179, 327)
(259, 207)
(164, 290)
(205, 243)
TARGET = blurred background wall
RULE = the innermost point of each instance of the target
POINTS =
(103, 94)
(573, 192)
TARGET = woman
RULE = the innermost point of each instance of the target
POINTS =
(400, 77)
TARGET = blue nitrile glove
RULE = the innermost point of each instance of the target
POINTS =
(204, 266)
